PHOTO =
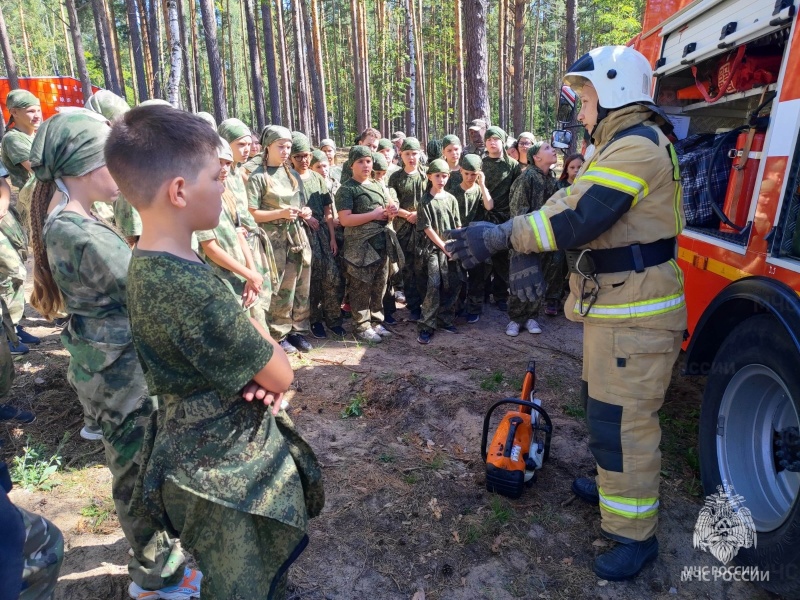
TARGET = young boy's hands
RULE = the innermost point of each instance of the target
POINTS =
(252, 391)
(290, 213)
(334, 247)
(312, 222)
(481, 178)
(380, 214)
(412, 217)
(305, 212)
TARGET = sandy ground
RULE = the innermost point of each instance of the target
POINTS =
(407, 510)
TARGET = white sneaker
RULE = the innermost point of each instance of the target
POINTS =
(381, 330)
(91, 433)
(532, 326)
(512, 329)
(188, 588)
(370, 335)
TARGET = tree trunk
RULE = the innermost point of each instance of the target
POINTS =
(198, 72)
(315, 79)
(534, 54)
(148, 65)
(191, 100)
(519, 65)
(243, 34)
(215, 75)
(287, 98)
(501, 64)
(25, 43)
(8, 55)
(461, 127)
(80, 57)
(174, 29)
(477, 67)
(137, 50)
(422, 101)
(272, 72)
(103, 43)
(67, 44)
(154, 43)
(117, 53)
(411, 119)
(362, 24)
(339, 97)
(303, 109)
(232, 63)
(255, 65)
(361, 120)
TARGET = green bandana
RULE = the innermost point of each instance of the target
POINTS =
(534, 150)
(300, 144)
(21, 99)
(471, 162)
(155, 102)
(327, 142)
(410, 143)
(449, 140)
(69, 144)
(495, 131)
(224, 150)
(527, 134)
(438, 166)
(357, 152)
(208, 118)
(318, 156)
(273, 133)
(384, 144)
(379, 162)
(232, 129)
(107, 104)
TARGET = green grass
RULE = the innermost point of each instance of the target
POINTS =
(34, 469)
(98, 512)
(411, 479)
(501, 511)
(574, 410)
(493, 382)
(437, 462)
(472, 534)
(386, 457)
(355, 408)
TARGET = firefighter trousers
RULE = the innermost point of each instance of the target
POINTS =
(628, 370)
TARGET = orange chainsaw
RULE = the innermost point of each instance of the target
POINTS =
(521, 443)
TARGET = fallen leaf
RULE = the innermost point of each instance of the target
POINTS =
(456, 537)
(567, 561)
(600, 543)
(433, 505)
(420, 595)
(497, 544)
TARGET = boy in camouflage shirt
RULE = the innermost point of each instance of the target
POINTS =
(227, 471)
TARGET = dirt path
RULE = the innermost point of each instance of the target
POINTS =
(407, 508)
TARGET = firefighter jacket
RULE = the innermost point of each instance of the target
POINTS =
(628, 193)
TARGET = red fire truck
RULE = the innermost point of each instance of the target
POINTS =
(728, 72)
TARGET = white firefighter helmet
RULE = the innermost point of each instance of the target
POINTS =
(620, 74)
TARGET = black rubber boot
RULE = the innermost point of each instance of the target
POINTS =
(625, 561)
(585, 488)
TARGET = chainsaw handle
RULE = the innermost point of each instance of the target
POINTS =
(548, 428)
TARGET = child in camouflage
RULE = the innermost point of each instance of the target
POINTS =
(227, 470)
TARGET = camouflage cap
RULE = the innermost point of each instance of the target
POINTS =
(495, 131)
(471, 162)
(233, 129)
(107, 104)
(69, 145)
(224, 150)
(477, 124)
(300, 143)
(318, 156)
(208, 118)
(358, 152)
(155, 102)
(410, 143)
(327, 142)
(21, 99)
(398, 135)
(438, 166)
(449, 140)
(385, 144)
(273, 133)
(379, 162)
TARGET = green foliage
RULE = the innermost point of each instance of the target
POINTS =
(356, 407)
(98, 512)
(493, 382)
(33, 469)
(501, 510)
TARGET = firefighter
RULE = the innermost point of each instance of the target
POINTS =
(618, 224)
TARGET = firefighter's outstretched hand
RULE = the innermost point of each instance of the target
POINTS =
(525, 279)
(475, 244)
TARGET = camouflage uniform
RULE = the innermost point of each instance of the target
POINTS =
(105, 211)
(127, 219)
(13, 253)
(409, 189)
(442, 278)
(529, 193)
(89, 262)
(453, 182)
(500, 174)
(271, 188)
(238, 484)
(327, 285)
(368, 251)
(468, 203)
(15, 149)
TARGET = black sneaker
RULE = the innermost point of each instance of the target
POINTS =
(287, 347)
(624, 561)
(318, 331)
(400, 297)
(416, 315)
(502, 305)
(450, 329)
(19, 349)
(389, 320)
(585, 488)
(424, 337)
(299, 342)
(471, 319)
(27, 338)
(338, 332)
(9, 412)
(60, 321)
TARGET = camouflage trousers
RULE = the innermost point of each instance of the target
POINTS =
(289, 309)
(408, 273)
(366, 287)
(441, 281)
(43, 553)
(12, 279)
(554, 270)
(495, 274)
(327, 286)
(242, 556)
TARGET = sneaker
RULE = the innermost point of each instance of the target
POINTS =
(585, 488)
(10, 412)
(502, 305)
(381, 330)
(19, 349)
(26, 337)
(318, 331)
(472, 319)
(188, 588)
(338, 332)
(512, 329)
(299, 342)
(92, 433)
(389, 319)
(369, 335)
(400, 297)
(624, 561)
(287, 347)
(551, 308)
(532, 326)
(60, 321)
(416, 315)
(450, 329)
(424, 337)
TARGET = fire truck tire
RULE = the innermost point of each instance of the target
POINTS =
(752, 391)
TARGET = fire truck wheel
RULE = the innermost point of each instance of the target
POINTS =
(752, 402)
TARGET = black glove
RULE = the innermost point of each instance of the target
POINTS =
(525, 279)
(475, 244)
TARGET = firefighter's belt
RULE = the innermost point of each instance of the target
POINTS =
(636, 257)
